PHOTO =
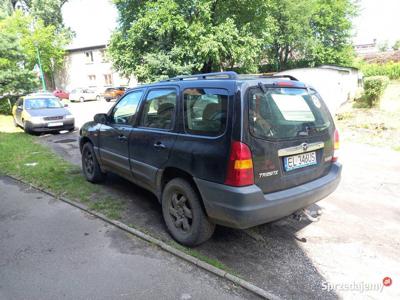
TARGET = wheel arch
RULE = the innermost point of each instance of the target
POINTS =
(83, 141)
(170, 173)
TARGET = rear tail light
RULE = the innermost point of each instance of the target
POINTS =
(240, 166)
(336, 146)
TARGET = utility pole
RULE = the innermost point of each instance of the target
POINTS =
(40, 68)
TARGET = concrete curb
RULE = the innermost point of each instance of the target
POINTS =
(206, 266)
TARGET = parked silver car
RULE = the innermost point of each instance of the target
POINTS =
(83, 94)
(42, 113)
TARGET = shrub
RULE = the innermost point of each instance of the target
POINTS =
(389, 69)
(5, 108)
(374, 87)
(6, 104)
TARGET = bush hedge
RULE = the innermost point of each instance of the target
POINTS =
(374, 87)
(390, 69)
(6, 104)
(5, 108)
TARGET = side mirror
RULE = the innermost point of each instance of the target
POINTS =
(19, 107)
(101, 118)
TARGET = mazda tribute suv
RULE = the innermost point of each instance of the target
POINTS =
(218, 148)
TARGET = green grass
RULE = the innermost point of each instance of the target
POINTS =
(23, 158)
(108, 206)
(192, 252)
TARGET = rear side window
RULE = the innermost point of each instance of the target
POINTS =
(205, 111)
(159, 109)
(282, 113)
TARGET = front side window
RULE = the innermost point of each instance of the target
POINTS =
(205, 111)
(159, 109)
(282, 113)
(125, 110)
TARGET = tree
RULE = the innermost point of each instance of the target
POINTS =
(168, 37)
(396, 45)
(15, 76)
(384, 46)
(35, 37)
(292, 31)
(331, 25)
(47, 10)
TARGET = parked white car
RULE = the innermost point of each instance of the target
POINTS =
(83, 94)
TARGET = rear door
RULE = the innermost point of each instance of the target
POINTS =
(114, 136)
(152, 140)
(290, 135)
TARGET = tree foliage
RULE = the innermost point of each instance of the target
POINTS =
(34, 36)
(167, 37)
(16, 76)
(49, 11)
(396, 45)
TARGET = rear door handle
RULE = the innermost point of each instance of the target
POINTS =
(122, 138)
(159, 145)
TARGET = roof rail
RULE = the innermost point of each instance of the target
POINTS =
(280, 76)
(214, 75)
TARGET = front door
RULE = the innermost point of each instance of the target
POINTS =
(114, 136)
(153, 138)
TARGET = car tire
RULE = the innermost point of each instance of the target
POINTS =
(90, 165)
(108, 100)
(26, 127)
(184, 215)
(81, 99)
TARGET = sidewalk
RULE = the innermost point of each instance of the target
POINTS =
(50, 250)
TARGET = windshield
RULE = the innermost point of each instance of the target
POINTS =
(41, 103)
(282, 113)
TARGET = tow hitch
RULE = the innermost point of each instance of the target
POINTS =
(305, 213)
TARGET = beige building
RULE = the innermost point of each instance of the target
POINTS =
(89, 67)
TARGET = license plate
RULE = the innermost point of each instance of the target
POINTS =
(300, 161)
(55, 124)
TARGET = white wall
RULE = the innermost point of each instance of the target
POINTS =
(334, 86)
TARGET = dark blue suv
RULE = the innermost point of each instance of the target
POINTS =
(218, 148)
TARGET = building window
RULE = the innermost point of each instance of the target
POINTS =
(103, 55)
(108, 79)
(89, 56)
(92, 80)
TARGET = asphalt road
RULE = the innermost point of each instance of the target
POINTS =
(51, 250)
(84, 112)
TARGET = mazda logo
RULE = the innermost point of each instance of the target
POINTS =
(304, 146)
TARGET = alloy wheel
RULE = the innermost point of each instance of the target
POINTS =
(89, 162)
(181, 212)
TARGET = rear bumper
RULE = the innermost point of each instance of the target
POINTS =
(244, 207)
(44, 127)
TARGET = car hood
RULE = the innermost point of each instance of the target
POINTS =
(48, 112)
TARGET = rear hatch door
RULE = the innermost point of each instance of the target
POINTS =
(290, 136)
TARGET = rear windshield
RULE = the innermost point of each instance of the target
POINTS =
(283, 113)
